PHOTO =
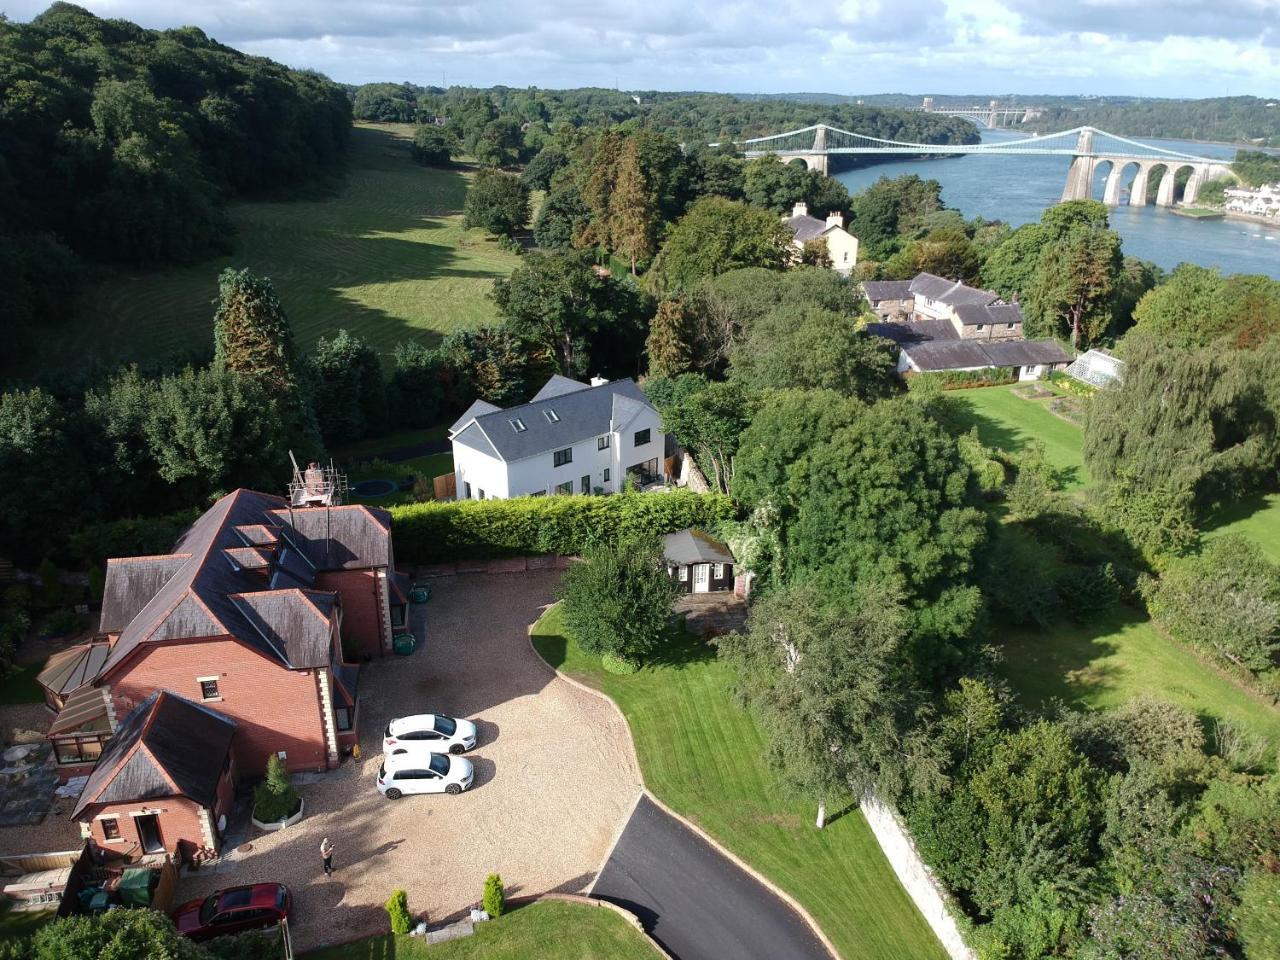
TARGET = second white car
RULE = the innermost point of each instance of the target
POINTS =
(409, 773)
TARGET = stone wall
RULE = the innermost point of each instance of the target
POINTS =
(919, 882)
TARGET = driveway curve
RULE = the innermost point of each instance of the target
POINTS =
(555, 778)
(696, 902)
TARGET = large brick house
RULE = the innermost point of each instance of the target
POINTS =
(261, 614)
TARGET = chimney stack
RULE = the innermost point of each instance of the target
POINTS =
(800, 210)
(835, 220)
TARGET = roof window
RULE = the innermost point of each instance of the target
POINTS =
(517, 425)
(551, 415)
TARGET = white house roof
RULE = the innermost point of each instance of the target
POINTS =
(559, 418)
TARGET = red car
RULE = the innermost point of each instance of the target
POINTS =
(234, 910)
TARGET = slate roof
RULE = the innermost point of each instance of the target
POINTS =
(806, 227)
(694, 546)
(877, 290)
(167, 746)
(476, 409)
(934, 355)
(951, 292)
(972, 314)
(579, 414)
(558, 386)
(296, 623)
(71, 669)
(191, 593)
(913, 331)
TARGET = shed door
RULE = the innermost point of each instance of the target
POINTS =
(701, 577)
(149, 833)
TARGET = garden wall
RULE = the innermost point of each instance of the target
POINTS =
(925, 891)
(428, 533)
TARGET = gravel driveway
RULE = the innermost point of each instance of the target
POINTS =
(555, 778)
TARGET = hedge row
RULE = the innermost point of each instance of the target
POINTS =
(484, 529)
(963, 379)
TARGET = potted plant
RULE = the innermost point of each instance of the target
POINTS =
(276, 803)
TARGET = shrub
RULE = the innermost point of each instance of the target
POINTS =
(621, 666)
(438, 532)
(1088, 592)
(398, 910)
(275, 798)
(251, 945)
(495, 898)
(63, 622)
(964, 379)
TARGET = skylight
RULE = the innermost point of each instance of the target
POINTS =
(551, 415)
(518, 425)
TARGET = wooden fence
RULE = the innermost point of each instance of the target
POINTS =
(446, 486)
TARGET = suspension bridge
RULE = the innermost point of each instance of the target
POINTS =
(1091, 151)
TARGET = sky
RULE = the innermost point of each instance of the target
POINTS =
(1172, 48)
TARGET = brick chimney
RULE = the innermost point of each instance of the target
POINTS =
(800, 210)
(835, 220)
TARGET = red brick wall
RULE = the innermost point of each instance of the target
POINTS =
(274, 708)
(361, 608)
(179, 819)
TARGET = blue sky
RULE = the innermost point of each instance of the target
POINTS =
(1181, 48)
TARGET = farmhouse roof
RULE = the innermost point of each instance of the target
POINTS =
(694, 546)
(296, 623)
(130, 584)
(951, 292)
(806, 228)
(933, 355)
(877, 290)
(972, 314)
(913, 331)
(166, 746)
(557, 420)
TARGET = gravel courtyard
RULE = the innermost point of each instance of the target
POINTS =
(555, 778)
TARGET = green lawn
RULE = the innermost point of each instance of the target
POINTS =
(1257, 518)
(430, 466)
(385, 256)
(545, 931)
(701, 753)
(19, 685)
(1009, 422)
(1121, 657)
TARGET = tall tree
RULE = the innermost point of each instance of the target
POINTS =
(251, 334)
(497, 202)
(670, 345)
(716, 236)
(348, 392)
(632, 210)
(1073, 286)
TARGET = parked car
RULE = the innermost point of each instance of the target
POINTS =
(403, 773)
(433, 732)
(234, 910)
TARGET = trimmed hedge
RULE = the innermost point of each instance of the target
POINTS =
(485, 529)
(965, 379)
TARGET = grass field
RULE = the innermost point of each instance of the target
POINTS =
(701, 753)
(1009, 422)
(546, 931)
(385, 256)
(1257, 518)
(1121, 657)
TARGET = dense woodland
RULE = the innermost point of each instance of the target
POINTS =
(1228, 119)
(120, 144)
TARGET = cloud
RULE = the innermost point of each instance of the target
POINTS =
(849, 46)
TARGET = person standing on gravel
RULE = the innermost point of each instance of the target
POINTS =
(326, 854)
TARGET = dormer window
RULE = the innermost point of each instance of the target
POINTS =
(517, 425)
(551, 415)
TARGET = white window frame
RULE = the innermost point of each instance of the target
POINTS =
(684, 573)
(717, 571)
(201, 681)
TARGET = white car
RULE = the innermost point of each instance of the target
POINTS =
(424, 773)
(429, 732)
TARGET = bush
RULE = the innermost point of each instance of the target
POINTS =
(398, 911)
(251, 945)
(97, 582)
(275, 798)
(495, 898)
(440, 532)
(964, 379)
(1088, 592)
(622, 666)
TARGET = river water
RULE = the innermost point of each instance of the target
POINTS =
(1017, 189)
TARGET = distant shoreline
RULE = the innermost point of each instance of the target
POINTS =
(1273, 222)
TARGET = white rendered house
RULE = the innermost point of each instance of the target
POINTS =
(570, 438)
(842, 246)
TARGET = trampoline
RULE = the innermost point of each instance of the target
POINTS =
(374, 488)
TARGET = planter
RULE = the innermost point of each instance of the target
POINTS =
(280, 824)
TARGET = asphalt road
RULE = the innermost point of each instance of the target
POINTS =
(694, 901)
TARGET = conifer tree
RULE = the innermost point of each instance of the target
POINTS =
(251, 334)
(633, 211)
(668, 345)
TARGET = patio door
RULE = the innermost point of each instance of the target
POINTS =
(148, 827)
(701, 577)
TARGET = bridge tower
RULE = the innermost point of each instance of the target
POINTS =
(993, 118)
(818, 159)
(1080, 176)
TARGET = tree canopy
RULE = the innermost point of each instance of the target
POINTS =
(717, 236)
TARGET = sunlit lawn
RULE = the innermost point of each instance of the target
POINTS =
(542, 931)
(1257, 518)
(385, 256)
(1123, 656)
(701, 754)
(1009, 422)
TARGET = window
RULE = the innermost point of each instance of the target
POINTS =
(563, 489)
(551, 415)
(602, 443)
(846, 256)
(606, 474)
(684, 572)
(111, 828)
(481, 493)
(466, 490)
(979, 326)
(72, 750)
(642, 437)
(561, 457)
(517, 425)
(717, 571)
(586, 485)
(1008, 326)
(208, 688)
(342, 716)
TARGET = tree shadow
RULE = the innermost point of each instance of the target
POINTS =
(964, 416)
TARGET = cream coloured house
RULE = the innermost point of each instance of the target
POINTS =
(842, 246)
